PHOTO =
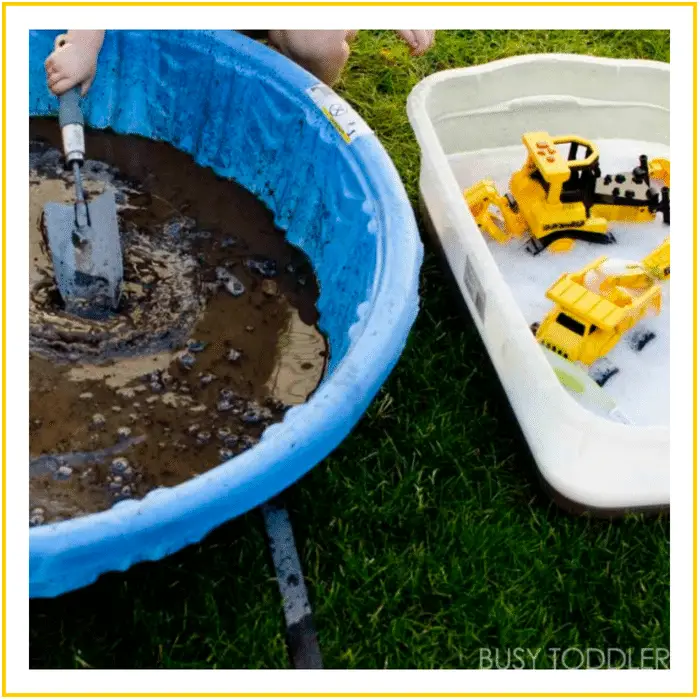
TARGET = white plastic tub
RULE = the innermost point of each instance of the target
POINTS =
(589, 460)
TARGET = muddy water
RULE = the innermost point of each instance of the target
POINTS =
(215, 337)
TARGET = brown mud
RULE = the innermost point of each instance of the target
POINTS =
(214, 339)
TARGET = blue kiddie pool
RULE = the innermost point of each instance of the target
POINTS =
(253, 116)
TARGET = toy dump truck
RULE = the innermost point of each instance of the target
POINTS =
(597, 305)
(559, 199)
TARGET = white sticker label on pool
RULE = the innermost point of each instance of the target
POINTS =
(473, 285)
(347, 122)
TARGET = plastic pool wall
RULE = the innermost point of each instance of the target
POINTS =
(242, 110)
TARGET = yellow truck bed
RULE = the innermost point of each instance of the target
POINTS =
(592, 307)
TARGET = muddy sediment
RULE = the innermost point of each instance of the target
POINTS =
(214, 339)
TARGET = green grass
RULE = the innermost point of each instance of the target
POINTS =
(426, 535)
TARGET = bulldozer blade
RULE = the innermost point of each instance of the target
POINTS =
(87, 263)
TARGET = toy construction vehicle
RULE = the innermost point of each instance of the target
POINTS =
(597, 305)
(559, 199)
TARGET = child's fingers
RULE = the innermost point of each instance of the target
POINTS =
(54, 77)
(57, 66)
(52, 65)
(61, 86)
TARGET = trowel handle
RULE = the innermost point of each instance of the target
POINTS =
(70, 118)
(69, 111)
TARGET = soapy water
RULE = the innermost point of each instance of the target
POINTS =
(214, 339)
(641, 386)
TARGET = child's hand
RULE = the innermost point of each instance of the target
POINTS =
(419, 40)
(75, 62)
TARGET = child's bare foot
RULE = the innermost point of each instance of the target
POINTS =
(419, 40)
(325, 52)
(322, 52)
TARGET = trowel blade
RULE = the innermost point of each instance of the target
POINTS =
(88, 273)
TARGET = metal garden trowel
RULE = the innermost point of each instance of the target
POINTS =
(83, 238)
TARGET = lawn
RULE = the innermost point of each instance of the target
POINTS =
(426, 535)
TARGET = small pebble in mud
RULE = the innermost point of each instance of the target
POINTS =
(195, 346)
(116, 409)
(156, 387)
(234, 287)
(203, 437)
(269, 288)
(123, 432)
(228, 242)
(255, 414)
(230, 282)
(226, 454)
(193, 428)
(98, 420)
(247, 441)
(206, 379)
(86, 395)
(64, 472)
(250, 329)
(231, 440)
(223, 405)
(187, 360)
(233, 355)
(223, 433)
(36, 517)
(119, 465)
(262, 266)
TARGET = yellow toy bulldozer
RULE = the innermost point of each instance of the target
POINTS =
(559, 199)
(595, 306)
